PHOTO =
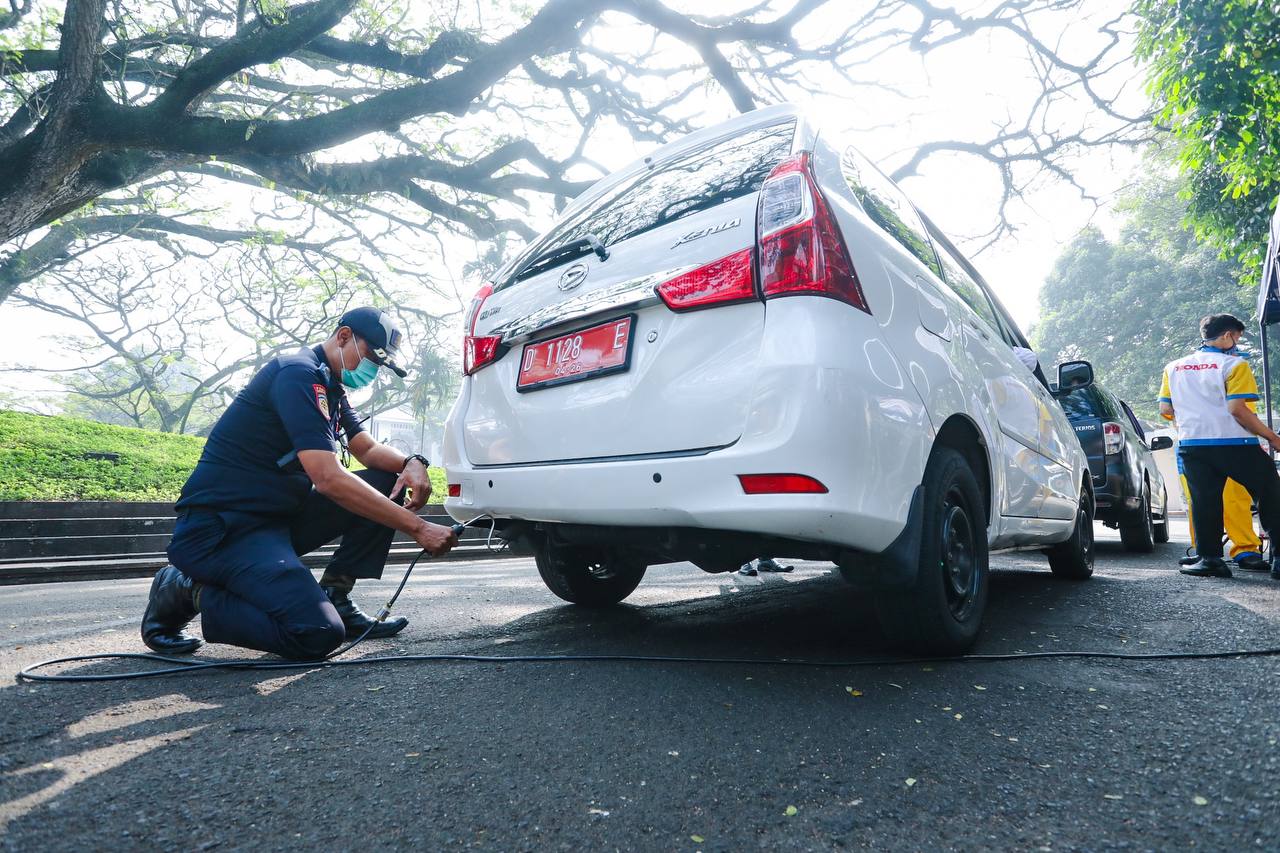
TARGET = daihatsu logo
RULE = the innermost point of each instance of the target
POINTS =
(573, 276)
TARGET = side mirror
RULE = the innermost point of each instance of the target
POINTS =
(1161, 442)
(1074, 374)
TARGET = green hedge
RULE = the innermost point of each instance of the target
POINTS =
(42, 458)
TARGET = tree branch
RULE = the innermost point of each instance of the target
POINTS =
(261, 42)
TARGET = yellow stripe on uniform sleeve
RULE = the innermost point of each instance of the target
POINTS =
(1241, 384)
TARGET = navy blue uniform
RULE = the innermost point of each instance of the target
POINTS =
(248, 511)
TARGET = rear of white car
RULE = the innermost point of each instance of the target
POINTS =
(706, 359)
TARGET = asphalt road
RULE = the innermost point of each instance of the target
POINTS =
(1026, 755)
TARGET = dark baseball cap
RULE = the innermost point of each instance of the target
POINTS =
(381, 332)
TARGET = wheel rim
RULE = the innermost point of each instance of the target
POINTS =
(960, 576)
(602, 570)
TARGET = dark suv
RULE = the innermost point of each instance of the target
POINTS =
(1128, 488)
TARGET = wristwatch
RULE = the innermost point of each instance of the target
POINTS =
(426, 463)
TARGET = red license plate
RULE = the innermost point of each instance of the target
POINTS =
(585, 354)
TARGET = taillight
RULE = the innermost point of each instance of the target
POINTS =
(455, 490)
(479, 351)
(1112, 438)
(801, 250)
(780, 484)
(726, 281)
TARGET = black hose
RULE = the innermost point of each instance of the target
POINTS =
(187, 665)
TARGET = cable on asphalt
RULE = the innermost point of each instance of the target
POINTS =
(188, 665)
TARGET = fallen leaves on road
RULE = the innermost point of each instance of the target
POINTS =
(1112, 797)
(791, 811)
(697, 839)
(978, 687)
(598, 812)
(1199, 800)
(376, 689)
(852, 692)
(910, 782)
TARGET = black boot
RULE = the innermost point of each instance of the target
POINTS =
(170, 608)
(1208, 567)
(1253, 563)
(1189, 560)
(357, 621)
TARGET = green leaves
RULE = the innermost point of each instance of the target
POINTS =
(1132, 305)
(1214, 75)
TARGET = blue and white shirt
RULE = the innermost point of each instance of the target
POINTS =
(1199, 386)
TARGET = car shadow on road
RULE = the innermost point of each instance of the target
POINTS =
(815, 617)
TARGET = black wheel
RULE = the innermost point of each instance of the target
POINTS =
(589, 577)
(1161, 527)
(941, 613)
(1073, 559)
(1139, 534)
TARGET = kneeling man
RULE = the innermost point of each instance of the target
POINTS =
(269, 488)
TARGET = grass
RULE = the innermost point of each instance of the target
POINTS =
(43, 458)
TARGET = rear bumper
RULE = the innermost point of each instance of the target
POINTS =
(685, 492)
(1117, 496)
(834, 420)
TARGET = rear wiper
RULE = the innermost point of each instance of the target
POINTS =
(554, 257)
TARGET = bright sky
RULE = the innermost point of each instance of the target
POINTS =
(963, 91)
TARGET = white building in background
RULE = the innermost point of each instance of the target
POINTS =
(401, 430)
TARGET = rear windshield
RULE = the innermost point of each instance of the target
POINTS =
(673, 189)
(1079, 403)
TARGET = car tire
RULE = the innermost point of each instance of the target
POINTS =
(1073, 559)
(1161, 527)
(1139, 535)
(941, 612)
(588, 577)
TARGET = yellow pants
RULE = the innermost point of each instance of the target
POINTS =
(1237, 518)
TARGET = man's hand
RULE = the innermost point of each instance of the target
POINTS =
(414, 477)
(1245, 416)
(436, 539)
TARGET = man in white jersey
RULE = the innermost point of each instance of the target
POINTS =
(1211, 393)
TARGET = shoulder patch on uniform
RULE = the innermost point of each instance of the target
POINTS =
(322, 399)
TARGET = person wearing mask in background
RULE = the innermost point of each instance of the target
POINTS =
(1211, 394)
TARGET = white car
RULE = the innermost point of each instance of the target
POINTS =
(750, 343)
